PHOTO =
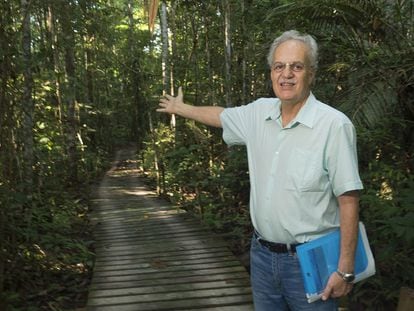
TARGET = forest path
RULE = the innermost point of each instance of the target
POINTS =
(153, 256)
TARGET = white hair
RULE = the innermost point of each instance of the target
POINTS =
(295, 35)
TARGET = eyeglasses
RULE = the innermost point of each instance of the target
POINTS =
(294, 66)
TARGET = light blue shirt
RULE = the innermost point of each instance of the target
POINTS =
(296, 172)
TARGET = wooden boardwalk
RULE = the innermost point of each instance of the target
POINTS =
(151, 256)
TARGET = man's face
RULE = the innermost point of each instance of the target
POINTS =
(291, 73)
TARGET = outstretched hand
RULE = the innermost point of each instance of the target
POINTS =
(169, 104)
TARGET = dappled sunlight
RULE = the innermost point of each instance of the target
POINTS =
(386, 192)
(138, 191)
(141, 212)
(52, 259)
(124, 172)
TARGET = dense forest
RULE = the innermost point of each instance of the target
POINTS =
(81, 78)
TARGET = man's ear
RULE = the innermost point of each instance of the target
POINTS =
(312, 77)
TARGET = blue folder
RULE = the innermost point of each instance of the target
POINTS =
(319, 259)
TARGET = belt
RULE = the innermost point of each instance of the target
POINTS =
(278, 247)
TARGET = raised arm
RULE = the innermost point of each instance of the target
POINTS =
(209, 115)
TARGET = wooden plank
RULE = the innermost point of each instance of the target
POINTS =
(178, 223)
(155, 253)
(162, 262)
(135, 238)
(157, 266)
(173, 295)
(113, 258)
(170, 260)
(222, 276)
(210, 303)
(155, 275)
(174, 247)
(159, 289)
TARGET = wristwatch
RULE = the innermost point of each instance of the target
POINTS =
(347, 277)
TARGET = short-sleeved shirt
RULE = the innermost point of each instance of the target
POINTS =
(296, 172)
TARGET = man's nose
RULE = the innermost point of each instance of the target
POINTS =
(287, 71)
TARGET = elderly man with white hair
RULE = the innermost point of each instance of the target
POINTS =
(303, 174)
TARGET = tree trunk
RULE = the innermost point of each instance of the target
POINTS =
(10, 172)
(228, 52)
(27, 100)
(173, 43)
(211, 90)
(57, 97)
(156, 157)
(165, 49)
(71, 121)
(166, 66)
(244, 31)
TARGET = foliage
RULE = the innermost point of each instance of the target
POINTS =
(53, 252)
(388, 212)
(96, 76)
(86, 100)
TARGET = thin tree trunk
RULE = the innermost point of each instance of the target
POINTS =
(10, 171)
(155, 149)
(71, 122)
(211, 91)
(27, 100)
(55, 56)
(136, 126)
(228, 52)
(166, 66)
(4, 141)
(244, 47)
(165, 49)
(172, 43)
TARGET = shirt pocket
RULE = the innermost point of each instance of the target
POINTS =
(305, 172)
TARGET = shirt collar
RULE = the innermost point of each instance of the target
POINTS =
(275, 112)
(306, 115)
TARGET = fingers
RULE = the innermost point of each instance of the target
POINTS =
(166, 103)
(336, 288)
(167, 98)
(327, 292)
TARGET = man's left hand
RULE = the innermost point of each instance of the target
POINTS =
(336, 287)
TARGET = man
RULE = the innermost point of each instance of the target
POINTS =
(303, 174)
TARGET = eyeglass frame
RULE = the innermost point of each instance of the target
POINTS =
(290, 66)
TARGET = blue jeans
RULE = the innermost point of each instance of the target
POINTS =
(277, 282)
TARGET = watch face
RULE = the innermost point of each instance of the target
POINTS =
(349, 277)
